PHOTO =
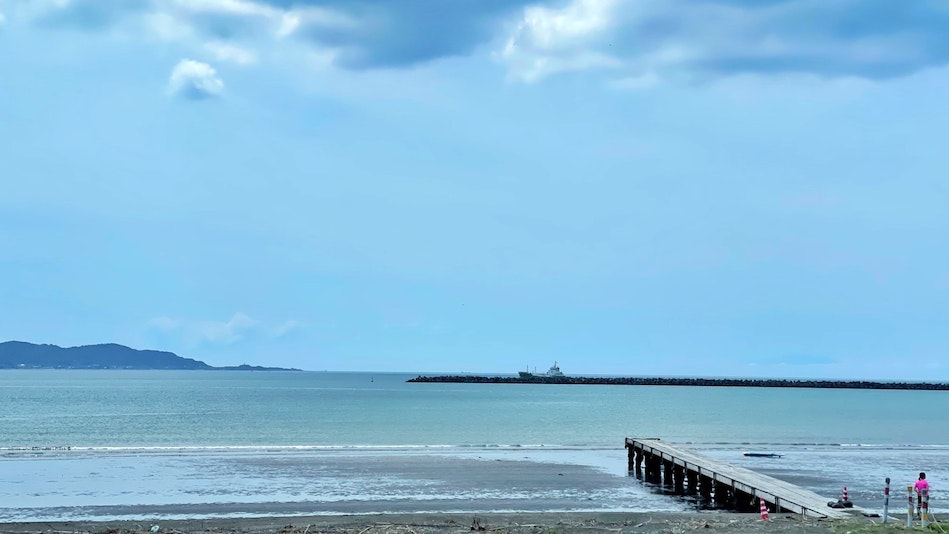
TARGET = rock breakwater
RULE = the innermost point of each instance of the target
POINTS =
(721, 382)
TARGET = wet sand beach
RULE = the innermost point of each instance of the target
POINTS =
(447, 523)
(158, 487)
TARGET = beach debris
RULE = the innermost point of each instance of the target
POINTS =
(155, 528)
(844, 500)
(637, 525)
(840, 503)
(476, 524)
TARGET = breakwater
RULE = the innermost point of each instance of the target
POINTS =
(722, 382)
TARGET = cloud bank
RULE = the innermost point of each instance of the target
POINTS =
(240, 327)
(230, 53)
(701, 39)
(634, 41)
(194, 80)
(398, 33)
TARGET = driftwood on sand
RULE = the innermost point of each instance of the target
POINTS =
(505, 523)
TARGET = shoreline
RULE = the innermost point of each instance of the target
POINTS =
(120, 485)
(448, 523)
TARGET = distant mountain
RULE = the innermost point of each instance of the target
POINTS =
(22, 355)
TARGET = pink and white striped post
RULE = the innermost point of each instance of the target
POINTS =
(911, 507)
(764, 510)
(886, 499)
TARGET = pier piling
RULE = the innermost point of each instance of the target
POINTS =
(678, 479)
(727, 486)
(691, 482)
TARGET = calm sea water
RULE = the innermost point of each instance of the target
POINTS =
(97, 444)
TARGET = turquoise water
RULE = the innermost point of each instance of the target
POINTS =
(100, 444)
(198, 408)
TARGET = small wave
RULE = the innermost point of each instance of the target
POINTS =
(809, 445)
(466, 447)
(38, 448)
(199, 449)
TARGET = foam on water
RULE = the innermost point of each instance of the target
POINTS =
(120, 444)
(103, 484)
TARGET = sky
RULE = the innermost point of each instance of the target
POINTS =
(719, 188)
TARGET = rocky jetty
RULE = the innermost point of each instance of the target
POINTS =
(722, 382)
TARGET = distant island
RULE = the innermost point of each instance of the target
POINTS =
(529, 378)
(22, 355)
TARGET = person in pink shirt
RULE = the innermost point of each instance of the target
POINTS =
(921, 486)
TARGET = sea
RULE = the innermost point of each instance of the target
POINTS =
(152, 445)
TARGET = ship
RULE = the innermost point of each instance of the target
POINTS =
(554, 371)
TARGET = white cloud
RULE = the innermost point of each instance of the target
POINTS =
(194, 333)
(168, 27)
(637, 42)
(195, 80)
(229, 332)
(643, 81)
(230, 53)
(562, 28)
(288, 24)
(163, 323)
(224, 18)
(239, 327)
(548, 40)
(640, 41)
(286, 328)
(315, 18)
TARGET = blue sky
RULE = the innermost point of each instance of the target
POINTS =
(635, 187)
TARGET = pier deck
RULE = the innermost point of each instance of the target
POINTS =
(729, 485)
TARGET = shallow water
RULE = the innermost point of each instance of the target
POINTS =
(198, 443)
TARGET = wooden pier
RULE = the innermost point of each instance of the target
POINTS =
(728, 486)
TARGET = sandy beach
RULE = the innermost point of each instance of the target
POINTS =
(513, 523)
